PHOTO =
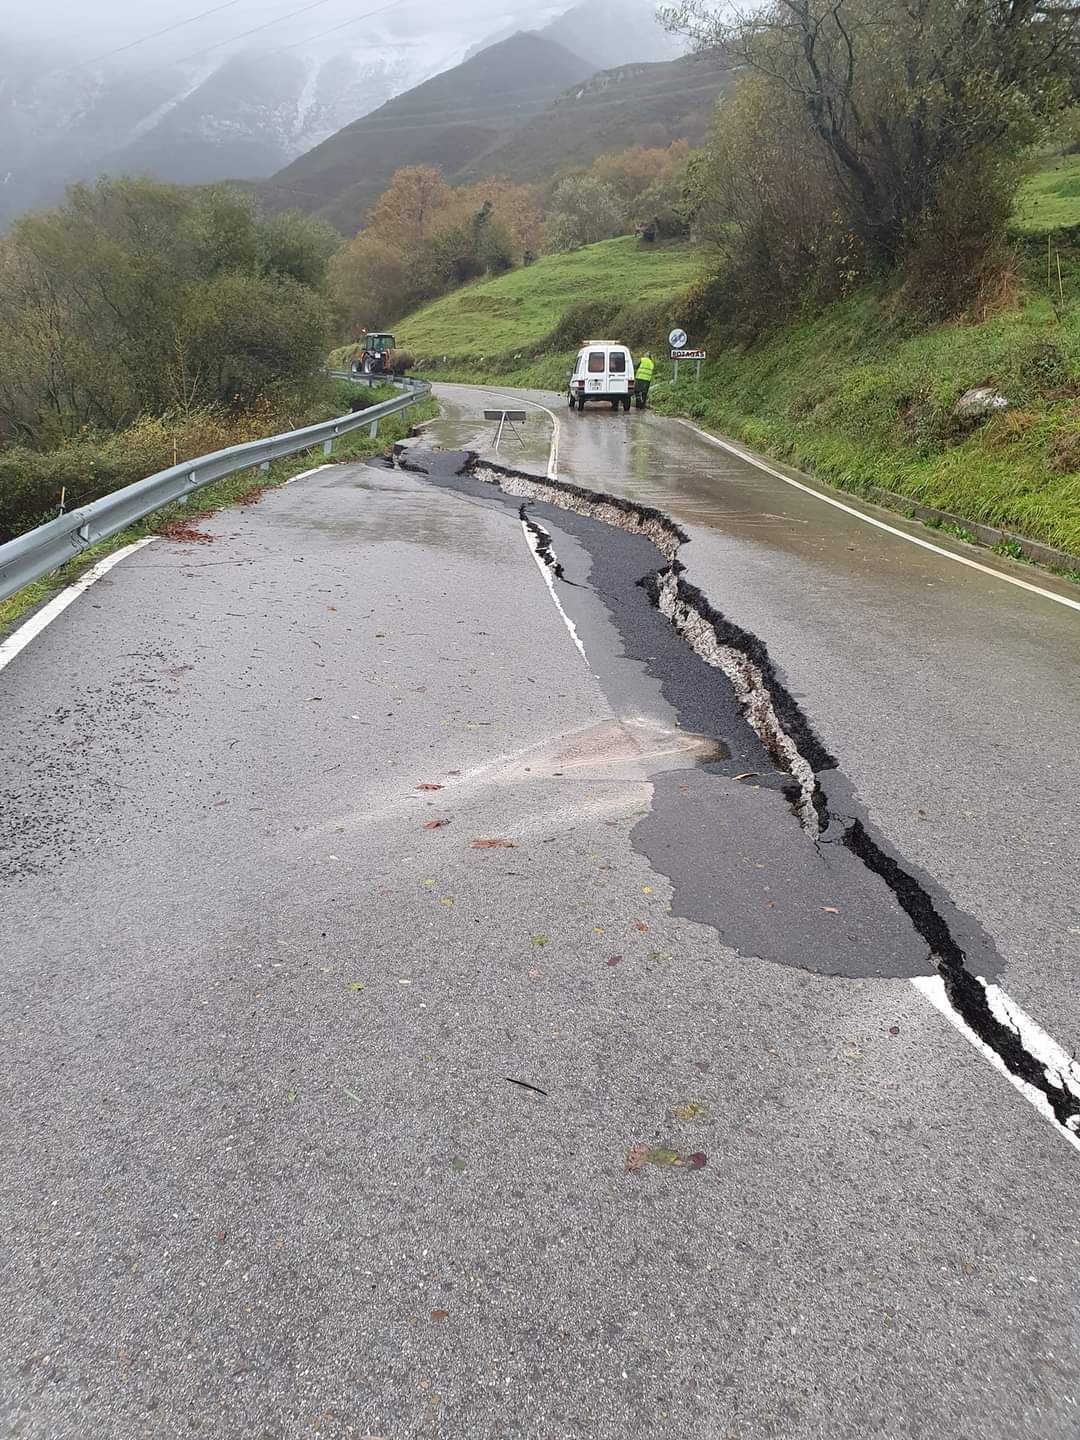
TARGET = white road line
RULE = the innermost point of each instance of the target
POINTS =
(56, 606)
(307, 474)
(1061, 1068)
(879, 524)
(530, 540)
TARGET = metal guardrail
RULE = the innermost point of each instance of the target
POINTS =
(31, 556)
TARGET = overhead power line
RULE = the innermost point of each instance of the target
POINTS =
(156, 34)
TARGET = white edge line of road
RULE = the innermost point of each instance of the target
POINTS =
(307, 474)
(59, 603)
(26, 632)
(1060, 1066)
(880, 524)
(530, 540)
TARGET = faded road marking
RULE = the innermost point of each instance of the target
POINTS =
(59, 603)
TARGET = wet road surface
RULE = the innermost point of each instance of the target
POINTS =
(267, 1162)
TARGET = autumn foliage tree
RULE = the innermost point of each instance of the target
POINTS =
(424, 237)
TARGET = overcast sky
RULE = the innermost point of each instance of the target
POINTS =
(97, 26)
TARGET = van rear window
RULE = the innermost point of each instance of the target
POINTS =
(617, 362)
(596, 362)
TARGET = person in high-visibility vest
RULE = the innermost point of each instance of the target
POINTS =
(643, 379)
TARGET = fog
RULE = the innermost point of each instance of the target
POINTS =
(123, 32)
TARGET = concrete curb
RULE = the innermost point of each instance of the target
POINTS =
(989, 535)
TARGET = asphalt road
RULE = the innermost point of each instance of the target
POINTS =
(267, 1164)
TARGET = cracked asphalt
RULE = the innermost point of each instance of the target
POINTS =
(263, 1168)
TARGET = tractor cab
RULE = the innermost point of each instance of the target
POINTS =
(375, 345)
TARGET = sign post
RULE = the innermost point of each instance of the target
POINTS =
(512, 418)
(681, 354)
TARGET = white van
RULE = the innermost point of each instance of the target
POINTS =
(604, 371)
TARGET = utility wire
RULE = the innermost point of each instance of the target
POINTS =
(155, 34)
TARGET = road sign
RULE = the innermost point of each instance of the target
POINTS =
(676, 339)
(511, 418)
(678, 354)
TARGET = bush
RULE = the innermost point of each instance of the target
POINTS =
(31, 481)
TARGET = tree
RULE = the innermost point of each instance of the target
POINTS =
(100, 298)
(904, 102)
(585, 211)
(405, 212)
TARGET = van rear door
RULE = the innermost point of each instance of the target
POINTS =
(619, 367)
(596, 372)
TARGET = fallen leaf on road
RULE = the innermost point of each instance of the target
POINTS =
(493, 845)
(429, 787)
(440, 1315)
(830, 910)
(646, 889)
(535, 974)
(697, 1161)
(457, 1166)
(447, 900)
(636, 1156)
(355, 986)
(663, 1156)
(894, 1029)
(852, 1054)
(690, 1111)
(640, 925)
(539, 941)
(614, 960)
(435, 824)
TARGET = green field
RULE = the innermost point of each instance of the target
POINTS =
(1050, 198)
(521, 308)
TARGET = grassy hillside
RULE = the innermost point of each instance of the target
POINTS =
(518, 310)
(1050, 199)
(848, 395)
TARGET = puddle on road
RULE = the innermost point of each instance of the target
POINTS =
(385, 514)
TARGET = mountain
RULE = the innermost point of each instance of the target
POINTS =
(604, 32)
(651, 104)
(220, 112)
(610, 33)
(447, 121)
(240, 117)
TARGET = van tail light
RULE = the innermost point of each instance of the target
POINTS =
(580, 384)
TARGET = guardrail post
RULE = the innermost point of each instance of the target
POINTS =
(374, 429)
(328, 447)
(265, 467)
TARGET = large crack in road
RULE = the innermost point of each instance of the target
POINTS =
(769, 846)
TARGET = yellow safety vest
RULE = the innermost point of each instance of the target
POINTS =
(645, 368)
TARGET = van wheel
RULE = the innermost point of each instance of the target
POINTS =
(581, 402)
(614, 405)
(570, 397)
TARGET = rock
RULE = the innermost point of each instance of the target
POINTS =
(976, 404)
